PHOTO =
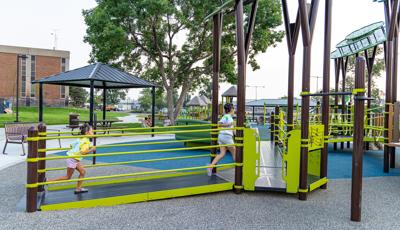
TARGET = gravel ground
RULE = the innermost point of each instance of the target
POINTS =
(329, 209)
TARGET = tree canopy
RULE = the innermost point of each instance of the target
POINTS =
(168, 42)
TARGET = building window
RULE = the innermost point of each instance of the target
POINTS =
(63, 68)
(33, 74)
(23, 77)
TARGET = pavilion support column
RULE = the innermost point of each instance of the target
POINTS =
(91, 102)
(325, 88)
(153, 108)
(40, 102)
(307, 28)
(104, 103)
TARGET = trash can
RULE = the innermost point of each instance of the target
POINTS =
(2, 105)
(73, 119)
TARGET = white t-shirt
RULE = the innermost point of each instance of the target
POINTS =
(227, 120)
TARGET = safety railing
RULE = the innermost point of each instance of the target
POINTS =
(37, 157)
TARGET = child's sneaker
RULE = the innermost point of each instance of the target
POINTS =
(209, 170)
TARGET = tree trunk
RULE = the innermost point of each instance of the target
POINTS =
(170, 104)
(181, 98)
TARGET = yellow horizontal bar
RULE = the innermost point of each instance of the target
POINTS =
(132, 134)
(129, 174)
(130, 152)
(133, 144)
(131, 129)
(129, 162)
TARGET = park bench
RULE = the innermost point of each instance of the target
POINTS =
(16, 133)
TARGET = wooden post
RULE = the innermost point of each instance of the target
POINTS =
(325, 88)
(307, 28)
(358, 142)
(338, 64)
(241, 93)
(217, 19)
(32, 173)
(42, 164)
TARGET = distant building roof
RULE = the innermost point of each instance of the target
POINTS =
(231, 92)
(102, 75)
(275, 102)
(196, 101)
(205, 99)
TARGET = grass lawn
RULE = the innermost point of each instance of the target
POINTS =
(53, 116)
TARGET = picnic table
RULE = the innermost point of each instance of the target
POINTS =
(107, 123)
(101, 124)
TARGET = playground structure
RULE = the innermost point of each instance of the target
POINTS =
(301, 144)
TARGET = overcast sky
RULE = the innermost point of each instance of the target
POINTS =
(31, 23)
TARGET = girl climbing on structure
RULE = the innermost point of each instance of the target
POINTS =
(80, 147)
(225, 137)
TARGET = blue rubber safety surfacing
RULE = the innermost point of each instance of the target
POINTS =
(167, 164)
(340, 163)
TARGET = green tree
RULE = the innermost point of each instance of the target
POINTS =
(145, 99)
(168, 42)
(78, 96)
(114, 96)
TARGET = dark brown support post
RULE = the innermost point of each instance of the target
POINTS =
(358, 142)
(40, 102)
(391, 16)
(325, 87)
(153, 109)
(307, 28)
(104, 102)
(94, 139)
(32, 173)
(344, 71)
(292, 34)
(370, 64)
(276, 123)
(241, 93)
(338, 64)
(42, 164)
(91, 102)
(394, 90)
(217, 19)
(272, 126)
(250, 27)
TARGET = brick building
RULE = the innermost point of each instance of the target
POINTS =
(37, 64)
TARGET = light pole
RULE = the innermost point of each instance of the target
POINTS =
(256, 87)
(317, 77)
(18, 75)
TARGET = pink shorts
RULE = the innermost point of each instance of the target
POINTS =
(72, 163)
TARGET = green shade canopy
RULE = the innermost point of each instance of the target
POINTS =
(360, 40)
